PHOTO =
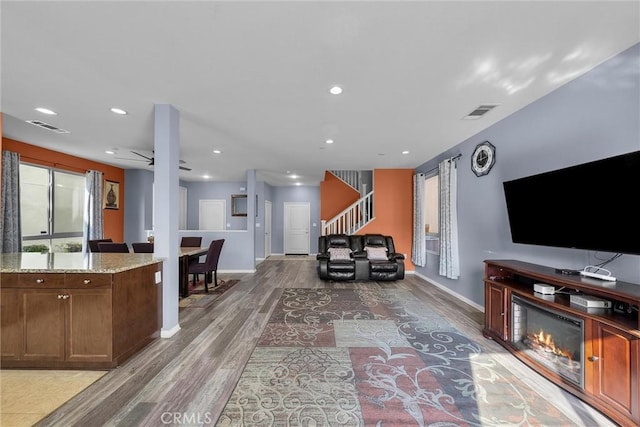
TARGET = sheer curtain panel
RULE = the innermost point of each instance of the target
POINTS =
(449, 260)
(92, 208)
(10, 227)
(419, 248)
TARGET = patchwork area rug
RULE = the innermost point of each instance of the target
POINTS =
(379, 358)
(199, 299)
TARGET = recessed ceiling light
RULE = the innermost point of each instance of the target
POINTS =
(206, 176)
(298, 183)
(217, 152)
(118, 111)
(405, 152)
(329, 141)
(46, 111)
(110, 152)
(335, 90)
(294, 176)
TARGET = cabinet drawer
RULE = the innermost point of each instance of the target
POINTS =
(41, 280)
(9, 280)
(87, 280)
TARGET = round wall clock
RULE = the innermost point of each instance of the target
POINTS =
(483, 158)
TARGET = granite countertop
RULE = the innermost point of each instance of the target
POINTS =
(76, 262)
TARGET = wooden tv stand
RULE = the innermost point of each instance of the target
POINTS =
(611, 338)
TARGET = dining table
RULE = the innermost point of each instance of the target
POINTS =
(186, 255)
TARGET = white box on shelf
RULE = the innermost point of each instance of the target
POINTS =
(589, 301)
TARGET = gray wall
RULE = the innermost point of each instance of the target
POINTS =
(592, 117)
(280, 195)
(242, 246)
(138, 215)
(197, 191)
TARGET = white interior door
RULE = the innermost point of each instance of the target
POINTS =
(212, 215)
(267, 228)
(296, 228)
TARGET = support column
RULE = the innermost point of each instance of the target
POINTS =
(165, 208)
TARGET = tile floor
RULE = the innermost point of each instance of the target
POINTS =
(27, 396)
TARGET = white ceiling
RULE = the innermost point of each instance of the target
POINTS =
(252, 78)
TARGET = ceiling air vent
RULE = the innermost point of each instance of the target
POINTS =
(47, 126)
(479, 112)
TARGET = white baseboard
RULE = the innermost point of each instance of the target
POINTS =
(171, 332)
(450, 292)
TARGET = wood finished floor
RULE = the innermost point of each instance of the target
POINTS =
(195, 371)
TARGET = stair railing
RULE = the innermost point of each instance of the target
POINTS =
(351, 219)
(350, 177)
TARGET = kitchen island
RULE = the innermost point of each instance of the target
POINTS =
(77, 310)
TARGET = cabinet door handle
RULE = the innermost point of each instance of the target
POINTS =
(593, 358)
(65, 296)
(39, 281)
(87, 281)
(60, 296)
(502, 314)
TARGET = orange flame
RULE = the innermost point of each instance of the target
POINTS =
(546, 341)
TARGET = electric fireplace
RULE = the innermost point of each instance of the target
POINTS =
(552, 339)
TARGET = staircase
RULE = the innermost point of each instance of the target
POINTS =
(351, 178)
(352, 219)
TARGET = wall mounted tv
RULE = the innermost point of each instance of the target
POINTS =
(592, 206)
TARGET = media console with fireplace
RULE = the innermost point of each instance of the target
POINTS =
(594, 353)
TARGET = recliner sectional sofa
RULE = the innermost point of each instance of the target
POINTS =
(359, 257)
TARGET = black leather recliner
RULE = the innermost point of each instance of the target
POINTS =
(357, 265)
(333, 267)
(389, 268)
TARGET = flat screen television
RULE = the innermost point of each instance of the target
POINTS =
(592, 206)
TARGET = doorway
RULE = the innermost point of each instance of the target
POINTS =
(212, 215)
(267, 228)
(296, 228)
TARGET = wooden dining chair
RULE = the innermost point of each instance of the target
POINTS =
(210, 265)
(113, 247)
(142, 247)
(191, 242)
(93, 244)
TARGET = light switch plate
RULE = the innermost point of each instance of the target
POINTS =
(158, 277)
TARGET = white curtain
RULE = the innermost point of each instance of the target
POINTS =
(419, 247)
(449, 260)
(92, 208)
(10, 226)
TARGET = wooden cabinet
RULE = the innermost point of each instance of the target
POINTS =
(88, 327)
(78, 320)
(496, 310)
(43, 319)
(614, 367)
(10, 324)
(611, 339)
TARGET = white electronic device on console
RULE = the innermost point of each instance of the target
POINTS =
(544, 289)
(589, 301)
(598, 276)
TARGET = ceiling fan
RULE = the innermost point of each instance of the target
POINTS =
(151, 161)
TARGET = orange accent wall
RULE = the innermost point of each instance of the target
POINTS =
(335, 196)
(113, 219)
(393, 208)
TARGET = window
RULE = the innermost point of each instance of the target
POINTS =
(51, 206)
(432, 213)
